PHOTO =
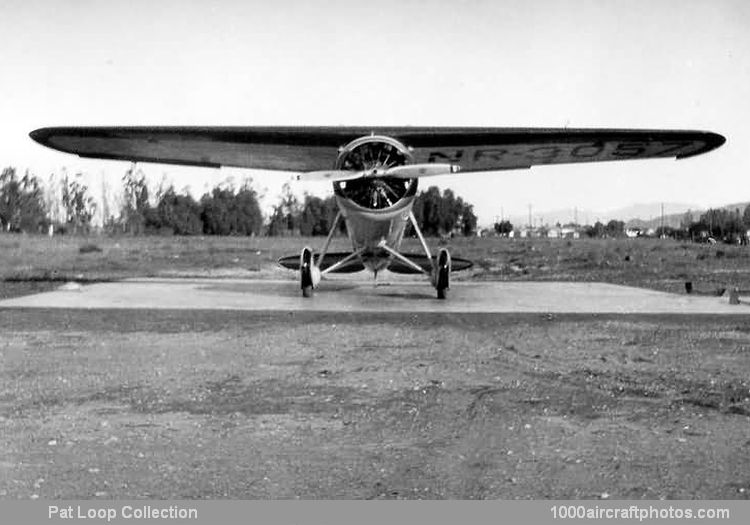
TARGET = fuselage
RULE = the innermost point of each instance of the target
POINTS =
(369, 227)
(376, 209)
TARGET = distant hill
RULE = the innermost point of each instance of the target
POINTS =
(643, 212)
(674, 220)
(635, 216)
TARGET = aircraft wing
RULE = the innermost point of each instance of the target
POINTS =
(305, 149)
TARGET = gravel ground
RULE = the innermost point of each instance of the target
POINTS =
(206, 404)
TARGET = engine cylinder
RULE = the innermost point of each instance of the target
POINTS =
(374, 193)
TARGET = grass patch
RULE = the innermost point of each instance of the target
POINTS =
(660, 264)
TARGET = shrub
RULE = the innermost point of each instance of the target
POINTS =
(89, 248)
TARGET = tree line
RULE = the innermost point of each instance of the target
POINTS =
(715, 223)
(721, 224)
(66, 204)
(436, 213)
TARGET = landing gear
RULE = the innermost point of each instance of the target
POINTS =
(306, 265)
(442, 273)
(441, 268)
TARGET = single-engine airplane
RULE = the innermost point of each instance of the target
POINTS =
(374, 171)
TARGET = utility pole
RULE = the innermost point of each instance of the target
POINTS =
(662, 219)
(531, 225)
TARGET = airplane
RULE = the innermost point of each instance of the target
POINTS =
(374, 171)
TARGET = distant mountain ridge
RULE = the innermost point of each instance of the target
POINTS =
(675, 220)
(642, 215)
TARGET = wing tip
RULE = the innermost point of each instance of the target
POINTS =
(47, 137)
(40, 135)
(711, 140)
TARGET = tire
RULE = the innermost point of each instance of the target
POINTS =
(305, 271)
(443, 276)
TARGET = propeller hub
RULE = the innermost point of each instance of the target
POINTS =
(372, 157)
(373, 154)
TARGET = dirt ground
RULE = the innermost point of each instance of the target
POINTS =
(207, 404)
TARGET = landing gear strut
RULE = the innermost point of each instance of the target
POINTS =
(441, 268)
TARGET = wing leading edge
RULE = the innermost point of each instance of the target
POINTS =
(303, 149)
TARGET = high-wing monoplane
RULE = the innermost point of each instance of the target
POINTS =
(375, 172)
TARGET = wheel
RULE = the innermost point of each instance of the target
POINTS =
(305, 272)
(443, 273)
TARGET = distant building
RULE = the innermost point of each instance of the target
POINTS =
(553, 232)
(633, 232)
(564, 232)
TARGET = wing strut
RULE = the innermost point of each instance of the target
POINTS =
(328, 240)
(403, 259)
(413, 220)
(343, 261)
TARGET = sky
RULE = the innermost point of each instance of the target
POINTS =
(625, 64)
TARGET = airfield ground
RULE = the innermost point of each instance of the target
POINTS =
(37, 262)
(205, 403)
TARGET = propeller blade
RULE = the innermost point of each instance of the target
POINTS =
(412, 171)
(407, 171)
(329, 175)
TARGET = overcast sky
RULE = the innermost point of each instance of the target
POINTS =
(640, 64)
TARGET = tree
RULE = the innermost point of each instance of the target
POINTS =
(427, 210)
(215, 210)
(285, 218)
(22, 207)
(78, 204)
(318, 215)
(746, 217)
(249, 218)
(721, 223)
(615, 228)
(449, 210)
(313, 220)
(225, 212)
(686, 220)
(597, 230)
(442, 214)
(136, 210)
(503, 228)
(468, 220)
(179, 213)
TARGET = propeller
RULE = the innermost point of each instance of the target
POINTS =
(406, 171)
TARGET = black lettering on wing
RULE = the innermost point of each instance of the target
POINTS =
(629, 149)
(587, 151)
(440, 156)
(543, 152)
(673, 148)
(492, 154)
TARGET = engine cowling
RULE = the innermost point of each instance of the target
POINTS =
(374, 153)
